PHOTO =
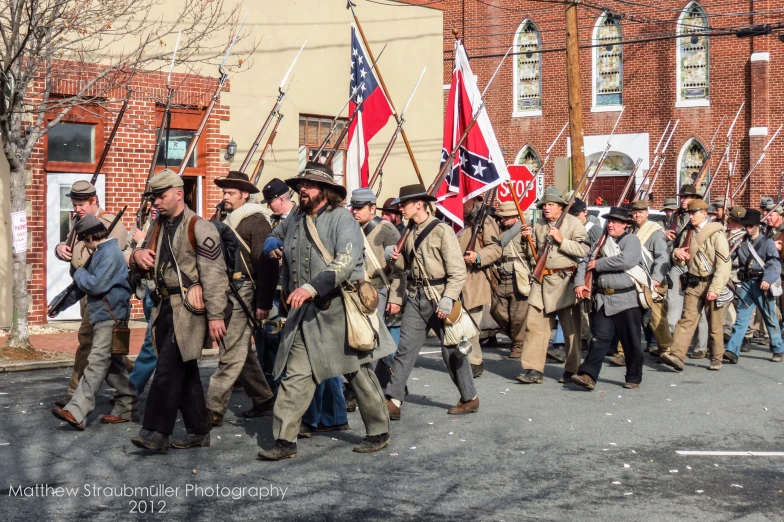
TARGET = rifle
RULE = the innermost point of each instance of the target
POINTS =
(260, 164)
(447, 165)
(762, 157)
(603, 238)
(334, 124)
(649, 190)
(530, 240)
(398, 130)
(601, 158)
(539, 269)
(72, 235)
(55, 307)
(275, 110)
(731, 167)
(536, 176)
(705, 164)
(653, 162)
(480, 220)
(153, 238)
(144, 205)
(726, 154)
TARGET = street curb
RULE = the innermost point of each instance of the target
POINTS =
(66, 363)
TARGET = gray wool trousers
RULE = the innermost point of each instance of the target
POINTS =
(103, 365)
(675, 297)
(419, 316)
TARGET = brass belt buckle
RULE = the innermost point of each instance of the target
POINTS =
(164, 292)
(609, 291)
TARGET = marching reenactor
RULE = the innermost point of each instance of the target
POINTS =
(478, 291)
(321, 254)
(720, 210)
(433, 259)
(759, 272)
(656, 262)
(616, 314)
(250, 276)
(84, 198)
(391, 213)
(775, 221)
(592, 226)
(707, 261)
(669, 208)
(105, 285)
(510, 297)
(183, 252)
(277, 197)
(554, 295)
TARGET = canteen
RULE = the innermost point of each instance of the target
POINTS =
(463, 348)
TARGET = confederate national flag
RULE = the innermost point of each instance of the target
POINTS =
(479, 164)
(373, 113)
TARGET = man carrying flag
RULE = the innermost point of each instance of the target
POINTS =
(374, 112)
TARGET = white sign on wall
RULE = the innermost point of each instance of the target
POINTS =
(19, 231)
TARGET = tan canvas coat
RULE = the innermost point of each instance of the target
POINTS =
(203, 265)
(477, 291)
(713, 244)
(557, 290)
(79, 253)
(441, 257)
(383, 235)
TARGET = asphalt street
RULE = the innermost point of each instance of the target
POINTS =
(532, 452)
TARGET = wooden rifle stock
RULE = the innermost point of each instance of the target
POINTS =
(530, 239)
(341, 136)
(260, 164)
(262, 132)
(589, 273)
(385, 156)
(144, 204)
(480, 220)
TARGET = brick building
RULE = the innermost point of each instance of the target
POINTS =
(71, 150)
(697, 79)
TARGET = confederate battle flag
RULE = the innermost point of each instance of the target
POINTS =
(479, 164)
(373, 113)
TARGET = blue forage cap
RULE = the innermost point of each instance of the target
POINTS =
(361, 197)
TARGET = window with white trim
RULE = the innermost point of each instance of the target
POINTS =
(693, 56)
(692, 158)
(608, 62)
(528, 69)
(529, 158)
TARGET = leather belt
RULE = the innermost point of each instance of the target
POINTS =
(509, 259)
(421, 281)
(568, 269)
(614, 291)
(167, 291)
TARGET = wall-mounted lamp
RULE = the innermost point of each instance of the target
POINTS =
(231, 150)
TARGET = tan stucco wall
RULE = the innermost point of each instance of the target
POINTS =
(321, 80)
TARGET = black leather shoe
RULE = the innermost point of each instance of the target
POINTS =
(216, 419)
(263, 409)
(151, 440)
(730, 357)
(304, 431)
(531, 377)
(566, 377)
(282, 449)
(477, 370)
(323, 429)
(745, 345)
(373, 443)
(698, 354)
(557, 353)
(62, 402)
(191, 440)
(351, 398)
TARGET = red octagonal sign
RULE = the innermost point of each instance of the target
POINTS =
(520, 177)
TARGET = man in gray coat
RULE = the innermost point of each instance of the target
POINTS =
(616, 311)
(322, 251)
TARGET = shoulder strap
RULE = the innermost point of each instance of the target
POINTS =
(370, 226)
(426, 232)
(106, 303)
(192, 231)
(373, 259)
(310, 226)
(754, 254)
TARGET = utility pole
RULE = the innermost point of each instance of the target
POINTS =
(573, 82)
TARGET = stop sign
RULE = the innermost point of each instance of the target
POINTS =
(520, 177)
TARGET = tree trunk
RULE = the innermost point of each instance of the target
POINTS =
(20, 335)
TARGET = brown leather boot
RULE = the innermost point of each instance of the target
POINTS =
(464, 408)
(394, 410)
(584, 380)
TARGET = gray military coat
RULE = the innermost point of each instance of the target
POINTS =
(322, 320)
(610, 274)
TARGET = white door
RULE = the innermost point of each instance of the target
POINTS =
(58, 214)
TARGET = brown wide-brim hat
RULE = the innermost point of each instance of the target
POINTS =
(237, 180)
(390, 207)
(416, 191)
(689, 190)
(319, 173)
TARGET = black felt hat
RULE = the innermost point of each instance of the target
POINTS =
(416, 191)
(619, 214)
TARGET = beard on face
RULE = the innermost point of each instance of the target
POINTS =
(309, 204)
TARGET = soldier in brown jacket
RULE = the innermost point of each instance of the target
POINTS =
(478, 292)
(183, 252)
(85, 201)
(554, 296)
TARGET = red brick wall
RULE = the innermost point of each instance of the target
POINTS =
(649, 90)
(128, 161)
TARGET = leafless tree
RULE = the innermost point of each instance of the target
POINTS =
(101, 41)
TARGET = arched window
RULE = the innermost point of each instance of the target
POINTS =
(692, 158)
(529, 158)
(528, 71)
(693, 58)
(607, 62)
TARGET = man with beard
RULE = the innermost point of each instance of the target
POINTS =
(510, 298)
(322, 254)
(85, 202)
(432, 257)
(250, 276)
(478, 292)
(391, 213)
(554, 295)
(184, 253)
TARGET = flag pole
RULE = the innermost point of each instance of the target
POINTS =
(351, 6)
